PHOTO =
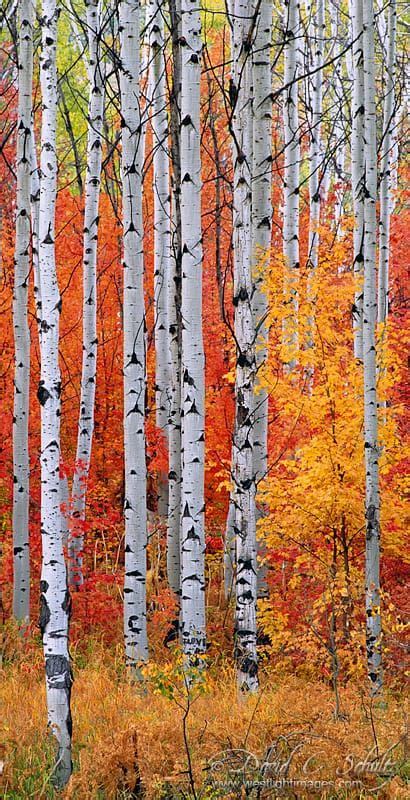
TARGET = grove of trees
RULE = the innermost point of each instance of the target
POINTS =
(203, 318)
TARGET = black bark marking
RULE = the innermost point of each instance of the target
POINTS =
(249, 666)
(44, 616)
(43, 394)
(192, 535)
(66, 605)
(58, 672)
(133, 624)
(172, 633)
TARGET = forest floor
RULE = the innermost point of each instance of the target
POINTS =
(165, 741)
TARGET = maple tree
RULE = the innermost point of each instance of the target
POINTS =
(262, 430)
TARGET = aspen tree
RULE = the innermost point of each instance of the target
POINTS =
(135, 505)
(291, 180)
(371, 444)
(65, 509)
(90, 243)
(261, 237)
(315, 83)
(357, 159)
(339, 126)
(162, 226)
(314, 87)
(192, 365)
(385, 165)
(34, 210)
(229, 550)
(55, 597)
(174, 312)
(21, 465)
(243, 474)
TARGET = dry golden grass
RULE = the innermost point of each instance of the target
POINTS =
(118, 729)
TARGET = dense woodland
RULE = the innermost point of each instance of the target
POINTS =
(203, 315)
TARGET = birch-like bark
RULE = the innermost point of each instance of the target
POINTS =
(316, 31)
(21, 464)
(162, 225)
(55, 598)
(90, 244)
(193, 366)
(229, 551)
(385, 165)
(381, 27)
(174, 419)
(135, 620)
(339, 128)
(315, 84)
(261, 241)
(371, 445)
(243, 474)
(65, 510)
(291, 182)
(34, 209)
(357, 159)
(174, 314)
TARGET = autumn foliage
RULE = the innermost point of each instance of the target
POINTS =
(312, 623)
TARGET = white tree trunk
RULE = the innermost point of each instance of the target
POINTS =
(381, 27)
(371, 445)
(174, 421)
(135, 621)
(339, 124)
(243, 474)
(65, 510)
(229, 551)
(385, 166)
(261, 239)
(316, 33)
(21, 462)
(174, 316)
(34, 205)
(193, 366)
(291, 181)
(55, 598)
(357, 158)
(162, 226)
(315, 84)
(90, 244)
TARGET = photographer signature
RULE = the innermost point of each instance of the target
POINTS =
(243, 766)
